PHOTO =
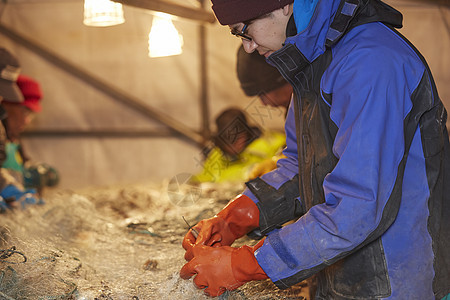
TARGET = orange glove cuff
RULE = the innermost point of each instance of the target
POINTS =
(245, 266)
(241, 214)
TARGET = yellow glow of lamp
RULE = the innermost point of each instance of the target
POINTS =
(102, 13)
(164, 39)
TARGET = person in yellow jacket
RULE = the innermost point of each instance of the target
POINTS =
(251, 153)
(239, 147)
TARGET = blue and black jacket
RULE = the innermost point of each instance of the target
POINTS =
(367, 173)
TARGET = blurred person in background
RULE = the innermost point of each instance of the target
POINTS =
(240, 152)
(258, 78)
(19, 116)
(12, 193)
(237, 148)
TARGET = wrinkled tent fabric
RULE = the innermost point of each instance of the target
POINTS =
(118, 55)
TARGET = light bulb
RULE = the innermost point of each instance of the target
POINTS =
(102, 13)
(164, 39)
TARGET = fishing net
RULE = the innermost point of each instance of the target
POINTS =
(121, 242)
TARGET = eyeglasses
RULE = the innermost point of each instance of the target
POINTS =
(241, 34)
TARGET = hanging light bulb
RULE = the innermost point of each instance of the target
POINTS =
(164, 39)
(102, 13)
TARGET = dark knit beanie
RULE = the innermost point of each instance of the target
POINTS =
(235, 11)
(256, 75)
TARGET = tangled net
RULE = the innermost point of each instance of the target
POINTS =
(110, 243)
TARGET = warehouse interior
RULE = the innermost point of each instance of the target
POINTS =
(121, 126)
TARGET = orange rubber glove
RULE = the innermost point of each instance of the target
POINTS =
(239, 217)
(223, 268)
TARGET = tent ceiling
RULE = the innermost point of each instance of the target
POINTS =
(181, 10)
(165, 3)
(197, 14)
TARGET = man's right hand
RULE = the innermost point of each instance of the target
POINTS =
(238, 218)
(212, 232)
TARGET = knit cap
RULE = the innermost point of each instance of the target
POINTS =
(236, 11)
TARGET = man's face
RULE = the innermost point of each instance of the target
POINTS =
(267, 33)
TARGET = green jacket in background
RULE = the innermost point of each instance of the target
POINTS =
(219, 167)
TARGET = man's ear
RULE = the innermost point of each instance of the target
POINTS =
(287, 9)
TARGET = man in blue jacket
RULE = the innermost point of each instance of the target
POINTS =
(368, 161)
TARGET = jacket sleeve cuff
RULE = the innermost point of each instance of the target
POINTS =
(286, 252)
(249, 194)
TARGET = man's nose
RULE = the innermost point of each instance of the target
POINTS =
(249, 46)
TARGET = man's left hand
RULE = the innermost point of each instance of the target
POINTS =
(222, 268)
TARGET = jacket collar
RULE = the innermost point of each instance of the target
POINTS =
(333, 18)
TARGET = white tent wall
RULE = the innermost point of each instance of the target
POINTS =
(118, 56)
(427, 26)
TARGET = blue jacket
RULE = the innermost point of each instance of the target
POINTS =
(368, 162)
